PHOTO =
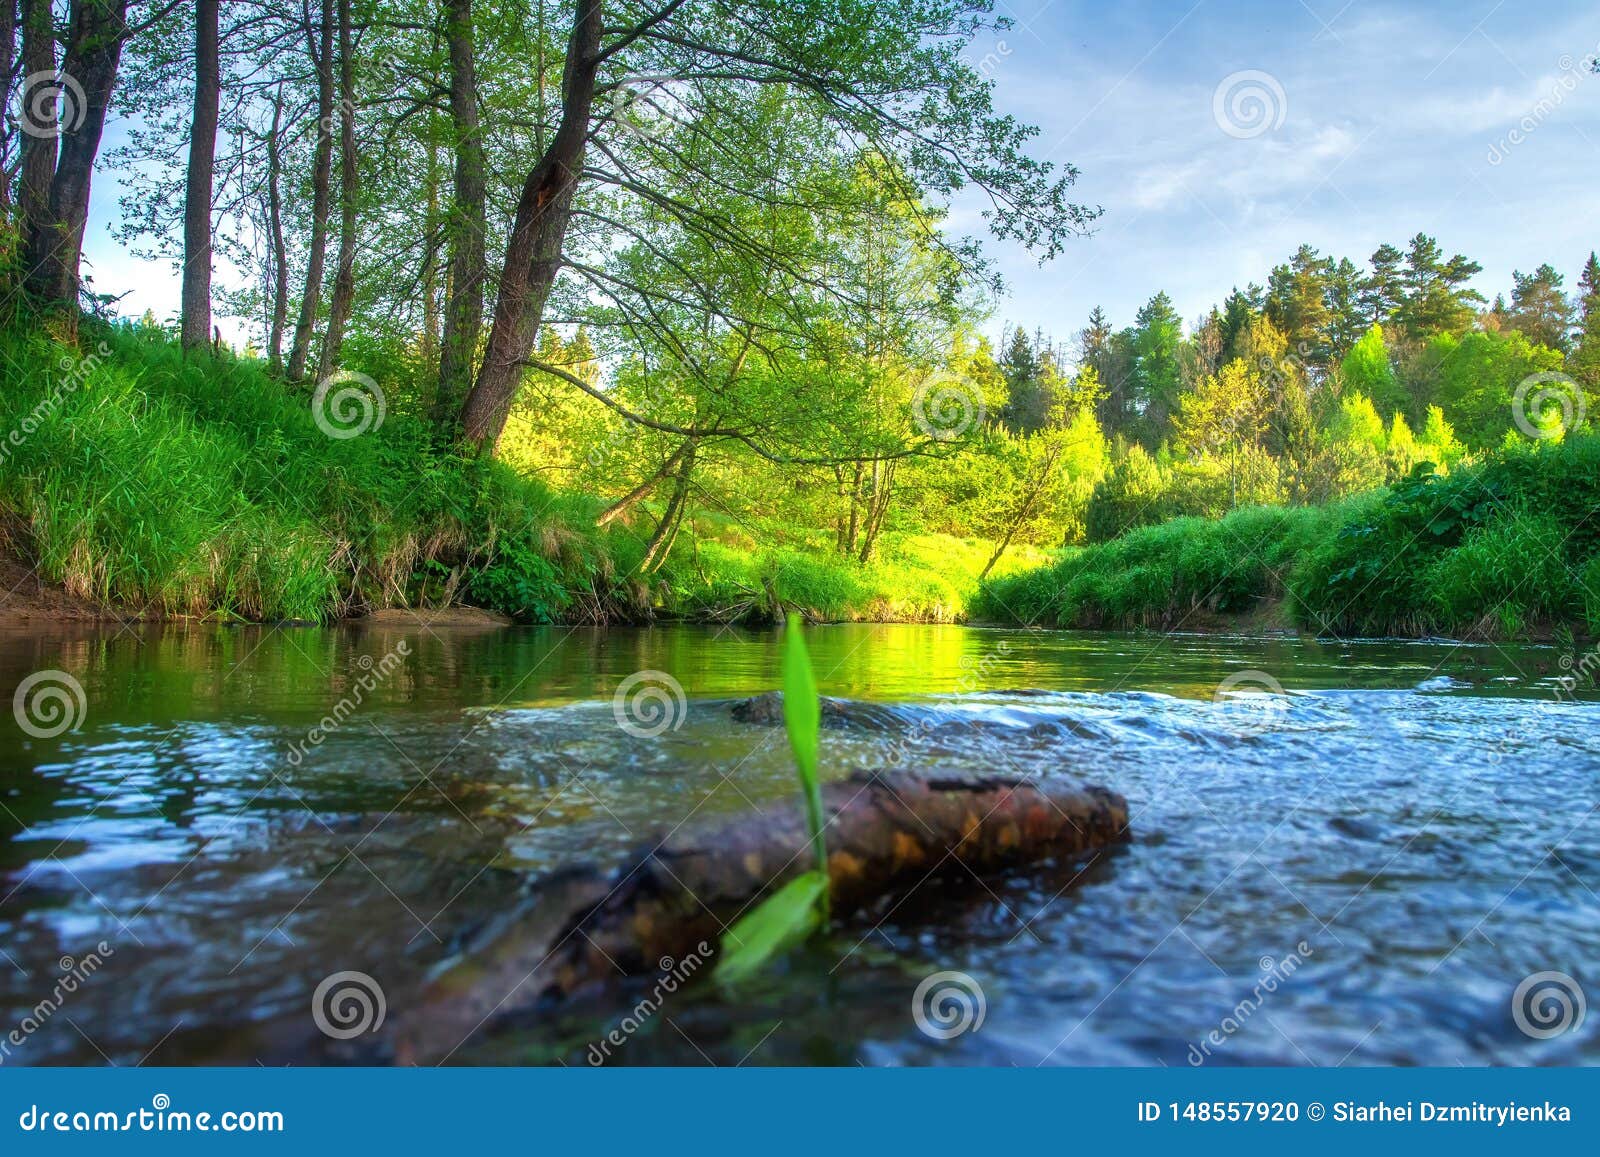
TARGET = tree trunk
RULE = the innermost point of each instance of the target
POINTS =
(622, 505)
(8, 64)
(882, 490)
(655, 552)
(322, 57)
(429, 344)
(533, 254)
(463, 310)
(280, 253)
(344, 283)
(94, 50)
(892, 839)
(38, 153)
(853, 531)
(196, 332)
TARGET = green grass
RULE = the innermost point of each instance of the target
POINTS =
(186, 486)
(136, 476)
(922, 578)
(208, 488)
(1504, 548)
(1163, 576)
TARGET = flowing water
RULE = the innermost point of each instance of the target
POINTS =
(1359, 870)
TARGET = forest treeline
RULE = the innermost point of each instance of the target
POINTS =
(628, 307)
(1331, 379)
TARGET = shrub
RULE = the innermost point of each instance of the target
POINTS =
(1132, 494)
(1509, 573)
(1505, 544)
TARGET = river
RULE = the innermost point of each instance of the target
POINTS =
(1351, 853)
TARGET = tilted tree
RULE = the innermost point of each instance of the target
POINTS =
(886, 74)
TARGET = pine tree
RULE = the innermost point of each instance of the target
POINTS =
(1237, 312)
(1027, 393)
(1436, 297)
(1156, 381)
(1345, 321)
(1589, 289)
(1583, 363)
(1381, 291)
(1297, 303)
(1539, 308)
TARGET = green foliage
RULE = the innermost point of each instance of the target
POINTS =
(1162, 576)
(207, 487)
(1589, 587)
(1507, 573)
(1501, 547)
(800, 907)
(1366, 370)
(786, 918)
(1132, 494)
(1474, 377)
(1439, 439)
(522, 583)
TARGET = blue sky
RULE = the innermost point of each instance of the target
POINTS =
(1381, 119)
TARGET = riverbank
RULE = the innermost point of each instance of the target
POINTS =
(26, 601)
(1507, 548)
(158, 486)
(140, 484)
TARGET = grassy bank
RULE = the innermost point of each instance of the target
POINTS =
(1505, 548)
(134, 476)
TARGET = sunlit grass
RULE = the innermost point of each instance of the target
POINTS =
(202, 487)
(1501, 548)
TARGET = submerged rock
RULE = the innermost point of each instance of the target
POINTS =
(889, 837)
(838, 714)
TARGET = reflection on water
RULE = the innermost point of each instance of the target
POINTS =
(243, 811)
